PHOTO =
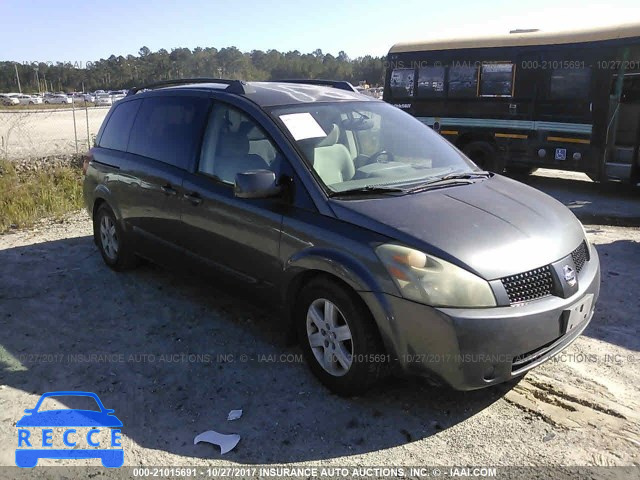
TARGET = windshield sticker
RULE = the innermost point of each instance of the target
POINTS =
(302, 125)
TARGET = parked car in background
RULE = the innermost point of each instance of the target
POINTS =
(8, 100)
(29, 99)
(89, 97)
(117, 95)
(295, 189)
(60, 98)
(375, 92)
(76, 97)
(103, 99)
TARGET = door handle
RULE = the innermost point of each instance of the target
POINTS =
(193, 197)
(168, 190)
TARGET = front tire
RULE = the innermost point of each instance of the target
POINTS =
(112, 241)
(339, 338)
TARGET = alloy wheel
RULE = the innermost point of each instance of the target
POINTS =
(330, 337)
(109, 237)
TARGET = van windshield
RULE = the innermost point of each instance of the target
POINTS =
(351, 145)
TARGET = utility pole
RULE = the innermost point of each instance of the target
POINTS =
(37, 78)
(15, 65)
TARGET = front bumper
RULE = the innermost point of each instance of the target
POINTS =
(476, 348)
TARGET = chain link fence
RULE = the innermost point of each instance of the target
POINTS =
(39, 134)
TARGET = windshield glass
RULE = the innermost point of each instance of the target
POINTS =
(353, 145)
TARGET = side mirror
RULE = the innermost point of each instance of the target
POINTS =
(256, 184)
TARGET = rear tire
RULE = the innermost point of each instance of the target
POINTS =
(112, 241)
(347, 355)
(484, 155)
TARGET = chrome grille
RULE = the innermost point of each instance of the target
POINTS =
(580, 256)
(523, 287)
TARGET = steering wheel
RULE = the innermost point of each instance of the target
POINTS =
(375, 157)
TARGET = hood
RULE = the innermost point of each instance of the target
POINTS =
(494, 227)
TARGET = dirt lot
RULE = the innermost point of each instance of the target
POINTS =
(45, 132)
(59, 305)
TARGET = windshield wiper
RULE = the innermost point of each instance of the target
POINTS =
(468, 175)
(367, 189)
(450, 180)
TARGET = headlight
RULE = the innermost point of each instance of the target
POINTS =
(432, 281)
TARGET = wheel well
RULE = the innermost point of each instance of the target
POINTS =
(467, 138)
(97, 205)
(300, 281)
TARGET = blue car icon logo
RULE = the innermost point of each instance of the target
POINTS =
(36, 434)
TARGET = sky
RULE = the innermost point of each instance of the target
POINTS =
(77, 32)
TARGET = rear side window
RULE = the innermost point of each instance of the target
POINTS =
(167, 129)
(116, 133)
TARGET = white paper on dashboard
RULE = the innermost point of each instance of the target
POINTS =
(302, 125)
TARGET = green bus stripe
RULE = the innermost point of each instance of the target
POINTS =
(581, 128)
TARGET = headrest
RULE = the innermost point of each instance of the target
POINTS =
(234, 145)
(331, 138)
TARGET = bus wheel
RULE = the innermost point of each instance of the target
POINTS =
(484, 155)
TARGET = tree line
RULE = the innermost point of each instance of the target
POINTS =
(118, 72)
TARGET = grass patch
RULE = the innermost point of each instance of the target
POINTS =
(28, 196)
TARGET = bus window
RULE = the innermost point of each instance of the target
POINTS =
(570, 83)
(463, 81)
(630, 89)
(402, 82)
(431, 82)
(496, 80)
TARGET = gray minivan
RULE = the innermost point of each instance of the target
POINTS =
(387, 249)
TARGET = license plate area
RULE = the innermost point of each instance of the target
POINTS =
(576, 314)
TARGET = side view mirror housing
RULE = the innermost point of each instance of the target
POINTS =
(256, 184)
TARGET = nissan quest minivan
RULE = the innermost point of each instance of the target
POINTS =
(387, 249)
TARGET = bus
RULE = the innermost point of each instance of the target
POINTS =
(529, 99)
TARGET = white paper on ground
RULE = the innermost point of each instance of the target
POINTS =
(225, 442)
(302, 125)
(234, 414)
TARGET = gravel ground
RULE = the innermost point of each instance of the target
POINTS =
(59, 305)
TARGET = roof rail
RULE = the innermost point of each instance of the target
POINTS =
(234, 86)
(339, 84)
